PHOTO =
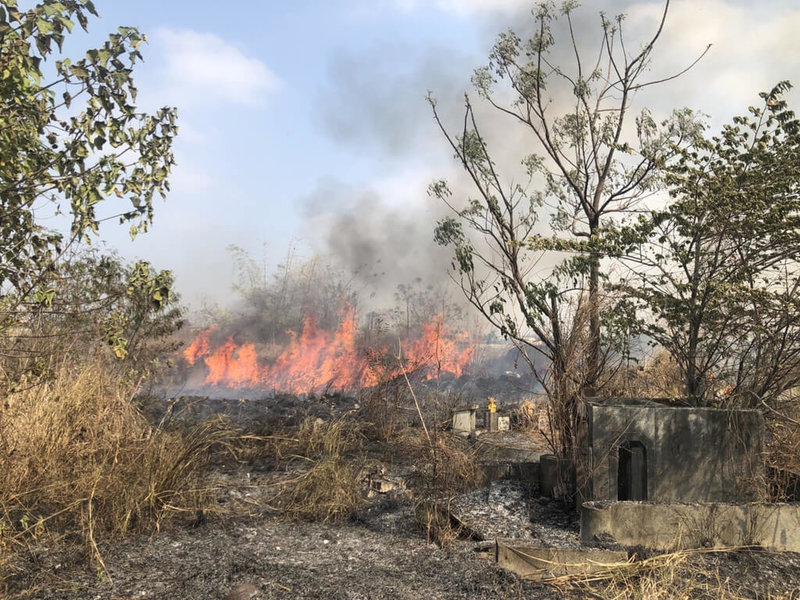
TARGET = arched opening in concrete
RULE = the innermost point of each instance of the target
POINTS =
(632, 471)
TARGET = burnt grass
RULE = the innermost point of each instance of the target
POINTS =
(380, 551)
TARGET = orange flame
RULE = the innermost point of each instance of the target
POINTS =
(321, 360)
(199, 347)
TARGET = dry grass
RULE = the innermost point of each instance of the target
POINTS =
(79, 460)
(783, 449)
(385, 411)
(681, 575)
(526, 416)
(329, 488)
(655, 376)
(446, 467)
(393, 406)
(327, 460)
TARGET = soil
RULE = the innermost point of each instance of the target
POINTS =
(245, 551)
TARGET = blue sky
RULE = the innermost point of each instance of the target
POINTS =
(304, 124)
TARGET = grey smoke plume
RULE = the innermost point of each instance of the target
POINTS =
(377, 104)
(380, 244)
(386, 242)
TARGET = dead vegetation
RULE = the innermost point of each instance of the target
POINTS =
(656, 376)
(681, 575)
(328, 463)
(446, 467)
(316, 472)
(783, 450)
(328, 486)
(85, 466)
(80, 463)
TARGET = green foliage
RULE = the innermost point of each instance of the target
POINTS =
(719, 272)
(93, 301)
(70, 137)
(589, 171)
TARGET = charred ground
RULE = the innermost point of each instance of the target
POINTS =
(386, 545)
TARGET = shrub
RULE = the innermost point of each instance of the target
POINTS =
(447, 467)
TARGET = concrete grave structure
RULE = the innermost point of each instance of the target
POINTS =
(464, 420)
(675, 526)
(538, 563)
(642, 450)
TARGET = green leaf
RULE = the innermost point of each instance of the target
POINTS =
(79, 72)
(44, 26)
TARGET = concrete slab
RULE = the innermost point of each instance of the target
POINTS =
(681, 526)
(507, 456)
(502, 447)
(538, 563)
(464, 420)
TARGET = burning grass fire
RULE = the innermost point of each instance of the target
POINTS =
(318, 360)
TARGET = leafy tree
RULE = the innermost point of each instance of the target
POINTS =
(593, 160)
(720, 274)
(71, 139)
(101, 304)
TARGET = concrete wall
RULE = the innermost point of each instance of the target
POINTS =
(678, 526)
(691, 454)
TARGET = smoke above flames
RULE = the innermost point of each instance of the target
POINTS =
(374, 104)
(375, 224)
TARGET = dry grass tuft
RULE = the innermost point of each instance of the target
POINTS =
(329, 491)
(317, 439)
(656, 376)
(330, 453)
(447, 464)
(80, 460)
(526, 416)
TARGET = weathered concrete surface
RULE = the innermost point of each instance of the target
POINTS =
(507, 456)
(671, 454)
(537, 563)
(464, 420)
(492, 447)
(555, 476)
(527, 472)
(679, 526)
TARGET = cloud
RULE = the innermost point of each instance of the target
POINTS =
(460, 7)
(202, 68)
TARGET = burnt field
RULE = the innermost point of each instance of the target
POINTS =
(348, 497)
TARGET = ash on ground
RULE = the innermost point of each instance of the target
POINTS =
(380, 552)
(508, 509)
